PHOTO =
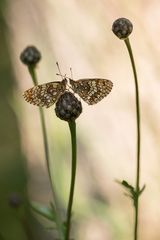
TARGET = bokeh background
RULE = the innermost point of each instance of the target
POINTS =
(78, 34)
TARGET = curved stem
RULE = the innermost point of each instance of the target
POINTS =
(44, 132)
(46, 149)
(127, 42)
(72, 126)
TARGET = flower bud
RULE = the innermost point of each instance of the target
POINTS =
(30, 56)
(122, 28)
(68, 107)
(15, 200)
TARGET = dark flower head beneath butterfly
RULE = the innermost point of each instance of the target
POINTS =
(68, 107)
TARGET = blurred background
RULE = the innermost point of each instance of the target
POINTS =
(78, 34)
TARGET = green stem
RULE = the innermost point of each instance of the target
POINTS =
(32, 72)
(46, 149)
(72, 126)
(42, 119)
(127, 42)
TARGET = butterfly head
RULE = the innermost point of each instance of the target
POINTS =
(64, 81)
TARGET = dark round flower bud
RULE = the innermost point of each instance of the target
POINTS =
(68, 108)
(30, 56)
(15, 200)
(122, 28)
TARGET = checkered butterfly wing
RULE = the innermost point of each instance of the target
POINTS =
(91, 90)
(45, 95)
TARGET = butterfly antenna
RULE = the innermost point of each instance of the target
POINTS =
(71, 73)
(59, 74)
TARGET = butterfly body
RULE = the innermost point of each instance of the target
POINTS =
(91, 90)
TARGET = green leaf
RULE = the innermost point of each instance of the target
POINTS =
(127, 185)
(129, 188)
(44, 211)
(142, 189)
(131, 191)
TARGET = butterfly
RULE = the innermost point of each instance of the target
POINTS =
(91, 90)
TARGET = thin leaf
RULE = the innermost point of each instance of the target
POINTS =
(142, 189)
(44, 211)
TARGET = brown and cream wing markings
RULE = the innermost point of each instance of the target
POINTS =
(45, 95)
(91, 90)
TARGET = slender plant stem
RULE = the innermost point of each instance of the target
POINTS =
(72, 126)
(44, 132)
(127, 42)
(32, 72)
(46, 149)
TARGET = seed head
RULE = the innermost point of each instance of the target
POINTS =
(30, 56)
(15, 200)
(122, 28)
(68, 107)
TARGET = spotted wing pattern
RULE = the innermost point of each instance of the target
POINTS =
(45, 95)
(91, 90)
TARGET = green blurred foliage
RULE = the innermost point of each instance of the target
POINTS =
(16, 220)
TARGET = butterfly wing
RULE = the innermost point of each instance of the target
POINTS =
(91, 90)
(45, 95)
